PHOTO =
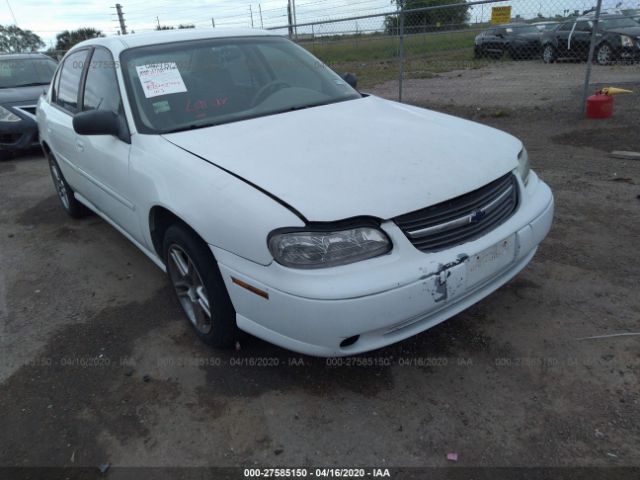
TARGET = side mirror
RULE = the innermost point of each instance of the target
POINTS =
(351, 79)
(96, 122)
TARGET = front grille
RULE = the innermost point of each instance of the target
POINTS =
(463, 218)
(10, 138)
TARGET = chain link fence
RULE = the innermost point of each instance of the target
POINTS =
(485, 53)
(517, 47)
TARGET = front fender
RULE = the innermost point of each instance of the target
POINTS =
(225, 211)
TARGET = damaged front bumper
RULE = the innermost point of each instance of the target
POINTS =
(386, 299)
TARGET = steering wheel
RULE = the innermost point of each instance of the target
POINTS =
(268, 90)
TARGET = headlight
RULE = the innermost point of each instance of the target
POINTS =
(626, 41)
(320, 249)
(7, 116)
(523, 165)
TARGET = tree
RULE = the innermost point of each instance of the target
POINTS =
(68, 38)
(14, 39)
(424, 21)
(180, 27)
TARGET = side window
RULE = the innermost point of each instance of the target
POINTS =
(69, 82)
(566, 27)
(54, 85)
(583, 27)
(101, 87)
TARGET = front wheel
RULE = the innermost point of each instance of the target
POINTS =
(199, 287)
(549, 54)
(604, 54)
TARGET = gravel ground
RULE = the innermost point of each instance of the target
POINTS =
(98, 365)
(527, 84)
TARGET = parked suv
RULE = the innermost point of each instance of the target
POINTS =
(617, 38)
(517, 39)
(23, 78)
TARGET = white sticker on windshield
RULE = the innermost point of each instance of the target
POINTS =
(160, 79)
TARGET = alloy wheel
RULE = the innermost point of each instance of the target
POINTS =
(604, 55)
(58, 182)
(547, 55)
(190, 289)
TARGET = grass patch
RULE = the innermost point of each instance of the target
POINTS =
(375, 59)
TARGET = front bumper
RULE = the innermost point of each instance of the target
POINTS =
(22, 135)
(385, 299)
(629, 53)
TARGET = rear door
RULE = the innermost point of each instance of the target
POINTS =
(104, 159)
(562, 36)
(64, 104)
(581, 39)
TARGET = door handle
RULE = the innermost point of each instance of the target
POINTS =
(80, 145)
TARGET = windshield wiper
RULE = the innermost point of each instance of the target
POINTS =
(32, 84)
(192, 126)
(293, 108)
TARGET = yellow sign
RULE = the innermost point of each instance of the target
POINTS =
(500, 15)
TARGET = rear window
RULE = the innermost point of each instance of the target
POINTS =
(66, 95)
(26, 72)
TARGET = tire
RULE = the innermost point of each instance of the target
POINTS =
(603, 54)
(73, 207)
(477, 52)
(199, 287)
(4, 155)
(549, 53)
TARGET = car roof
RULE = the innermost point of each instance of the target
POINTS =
(513, 25)
(118, 43)
(607, 16)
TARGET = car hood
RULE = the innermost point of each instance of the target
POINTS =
(22, 95)
(529, 36)
(631, 31)
(367, 156)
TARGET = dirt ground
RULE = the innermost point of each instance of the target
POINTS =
(98, 365)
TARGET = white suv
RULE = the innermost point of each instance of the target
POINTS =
(279, 199)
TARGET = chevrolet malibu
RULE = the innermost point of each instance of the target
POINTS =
(280, 200)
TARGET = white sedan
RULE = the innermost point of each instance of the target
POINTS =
(280, 200)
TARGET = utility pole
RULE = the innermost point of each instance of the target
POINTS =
(290, 19)
(592, 46)
(295, 18)
(213, 23)
(260, 10)
(123, 27)
(251, 13)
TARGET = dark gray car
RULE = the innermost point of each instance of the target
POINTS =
(517, 39)
(617, 38)
(23, 78)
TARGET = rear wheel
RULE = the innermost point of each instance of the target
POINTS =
(549, 54)
(199, 287)
(65, 194)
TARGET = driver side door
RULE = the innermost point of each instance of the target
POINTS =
(104, 159)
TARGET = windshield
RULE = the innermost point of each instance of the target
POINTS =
(26, 71)
(194, 84)
(623, 22)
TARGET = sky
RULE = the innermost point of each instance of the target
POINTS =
(48, 17)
